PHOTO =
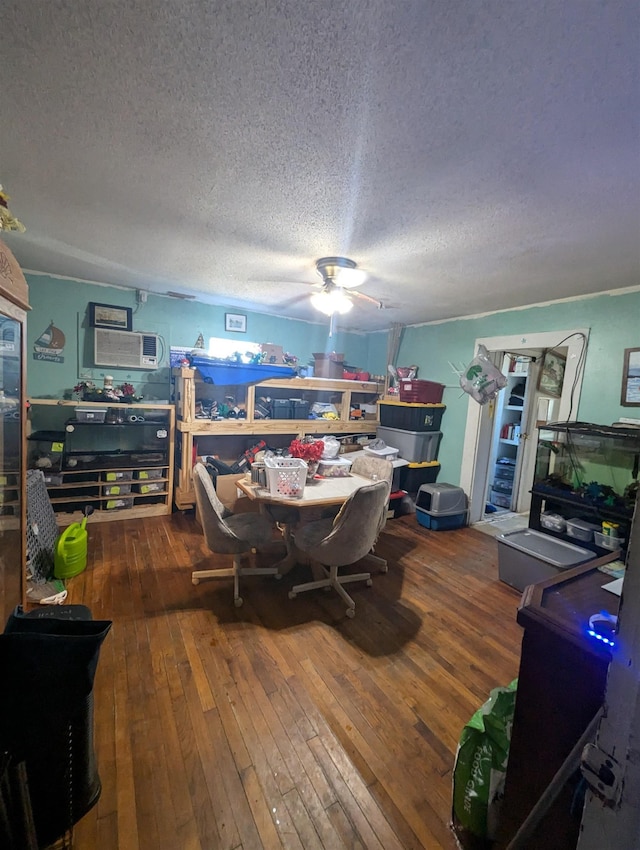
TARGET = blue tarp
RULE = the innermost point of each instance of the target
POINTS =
(224, 373)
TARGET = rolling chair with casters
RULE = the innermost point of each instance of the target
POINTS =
(229, 534)
(378, 469)
(344, 540)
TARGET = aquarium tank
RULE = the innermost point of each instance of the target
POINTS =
(591, 465)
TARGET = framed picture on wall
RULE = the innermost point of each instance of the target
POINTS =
(110, 316)
(630, 396)
(551, 374)
(235, 322)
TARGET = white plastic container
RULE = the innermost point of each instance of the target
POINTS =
(91, 414)
(334, 468)
(582, 530)
(606, 541)
(387, 452)
(286, 476)
(554, 522)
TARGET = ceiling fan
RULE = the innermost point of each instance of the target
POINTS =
(340, 277)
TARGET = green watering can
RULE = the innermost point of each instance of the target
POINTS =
(70, 556)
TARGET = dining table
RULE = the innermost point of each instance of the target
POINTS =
(321, 493)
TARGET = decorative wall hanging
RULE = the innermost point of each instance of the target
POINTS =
(551, 374)
(630, 396)
(110, 316)
(50, 345)
(235, 322)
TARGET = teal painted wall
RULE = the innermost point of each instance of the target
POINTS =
(612, 320)
(614, 325)
(65, 301)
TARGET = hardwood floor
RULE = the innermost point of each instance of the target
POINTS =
(283, 724)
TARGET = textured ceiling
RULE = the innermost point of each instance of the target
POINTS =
(470, 156)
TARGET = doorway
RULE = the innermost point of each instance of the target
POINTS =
(481, 452)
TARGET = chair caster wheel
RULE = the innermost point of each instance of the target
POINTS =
(238, 601)
(278, 576)
(292, 595)
(369, 582)
(351, 613)
(195, 581)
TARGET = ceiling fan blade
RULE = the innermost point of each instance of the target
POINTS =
(291, 302)
(367, 298)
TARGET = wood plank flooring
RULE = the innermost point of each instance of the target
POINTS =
(283, 724)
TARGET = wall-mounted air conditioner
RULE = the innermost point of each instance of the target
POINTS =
(126, 349)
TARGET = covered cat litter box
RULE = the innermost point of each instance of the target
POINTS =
(526, 557)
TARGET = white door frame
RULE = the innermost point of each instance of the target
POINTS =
(477, 437)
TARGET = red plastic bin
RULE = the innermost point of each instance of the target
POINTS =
(421, 392)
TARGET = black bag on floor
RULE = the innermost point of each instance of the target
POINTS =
(47, 670)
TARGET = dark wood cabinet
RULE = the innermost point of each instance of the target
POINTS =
(561, 686)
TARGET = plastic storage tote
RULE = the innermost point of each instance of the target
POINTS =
(414, 446)
(606, 541)
(553, 522)
(582, 530)
(526, 557)
(411, 417)
(423, 392)
(501, 500)
(414, 475)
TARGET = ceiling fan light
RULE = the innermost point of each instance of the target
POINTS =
(350, 277)
(331, 302)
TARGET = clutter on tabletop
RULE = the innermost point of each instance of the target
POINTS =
(88, 390)
(331, 447)
(308, 449)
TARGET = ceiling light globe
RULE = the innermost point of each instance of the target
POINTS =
(331, 302)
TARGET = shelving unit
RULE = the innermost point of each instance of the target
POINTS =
(78, 467)
(509, 422)
(189, 387)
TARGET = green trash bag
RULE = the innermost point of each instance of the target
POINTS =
(480, 769)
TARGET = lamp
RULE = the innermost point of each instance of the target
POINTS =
(331, 301)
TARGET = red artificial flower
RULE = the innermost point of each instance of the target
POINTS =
(308, 451)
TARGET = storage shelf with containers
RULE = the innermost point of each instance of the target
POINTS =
(275, 409)
(586, 483)
(116, 458)
(412, 425)
(510, 413)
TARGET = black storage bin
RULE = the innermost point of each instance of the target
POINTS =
(299, 408)
(48, 661)
(280, 408)
(413, 476)
(411, 417)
